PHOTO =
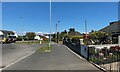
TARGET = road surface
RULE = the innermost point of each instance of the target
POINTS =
(60, 58)
(13, 52)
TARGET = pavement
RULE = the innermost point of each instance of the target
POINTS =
(115, 66)
(59, 58)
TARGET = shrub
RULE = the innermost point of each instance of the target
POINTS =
(76, 37)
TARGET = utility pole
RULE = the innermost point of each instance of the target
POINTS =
(85, 31)
(56, 34)
(119, 40)
(22, 28)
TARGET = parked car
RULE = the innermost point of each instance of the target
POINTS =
(12, 39)
(9, 39)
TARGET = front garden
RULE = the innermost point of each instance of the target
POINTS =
(104, 55)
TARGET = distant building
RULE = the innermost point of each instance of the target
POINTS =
(114, 29)
(37, 37)
(5, 33)
(47, 36)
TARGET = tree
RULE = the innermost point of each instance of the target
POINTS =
(97, 36)
(92, 31)
(71, 30)
(65, 31)
(62, 34)
(30, 35)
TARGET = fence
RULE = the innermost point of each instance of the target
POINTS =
(106, 56)
(72, 44)
(75, 45)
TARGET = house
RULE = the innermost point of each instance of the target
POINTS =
(37, 37)
(5, 33)
(114, 29)
(8, 36)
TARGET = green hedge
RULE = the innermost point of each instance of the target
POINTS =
(79, 37)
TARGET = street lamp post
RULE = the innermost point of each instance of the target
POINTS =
(50, 26)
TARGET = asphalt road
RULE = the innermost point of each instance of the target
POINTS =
(60, 58)
(13, 52)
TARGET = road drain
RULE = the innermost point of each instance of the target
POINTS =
(2, 66)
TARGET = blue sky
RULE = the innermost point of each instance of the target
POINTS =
(36, 16)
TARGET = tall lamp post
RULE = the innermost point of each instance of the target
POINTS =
(50, 26)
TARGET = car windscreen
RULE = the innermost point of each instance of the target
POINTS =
(12, 36)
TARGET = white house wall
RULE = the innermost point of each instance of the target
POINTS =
(1, 33)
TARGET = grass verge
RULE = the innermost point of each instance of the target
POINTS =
(45, 49)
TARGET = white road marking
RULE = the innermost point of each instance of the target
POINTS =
(0, 69)
(98, 66)
(19, 60)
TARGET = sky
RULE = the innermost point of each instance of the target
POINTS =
(60, 0)
(36, 16)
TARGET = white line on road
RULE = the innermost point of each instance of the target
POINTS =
(19, 59)
(0, 69)
(98, 66)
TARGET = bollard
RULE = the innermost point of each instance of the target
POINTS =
(40, 41)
